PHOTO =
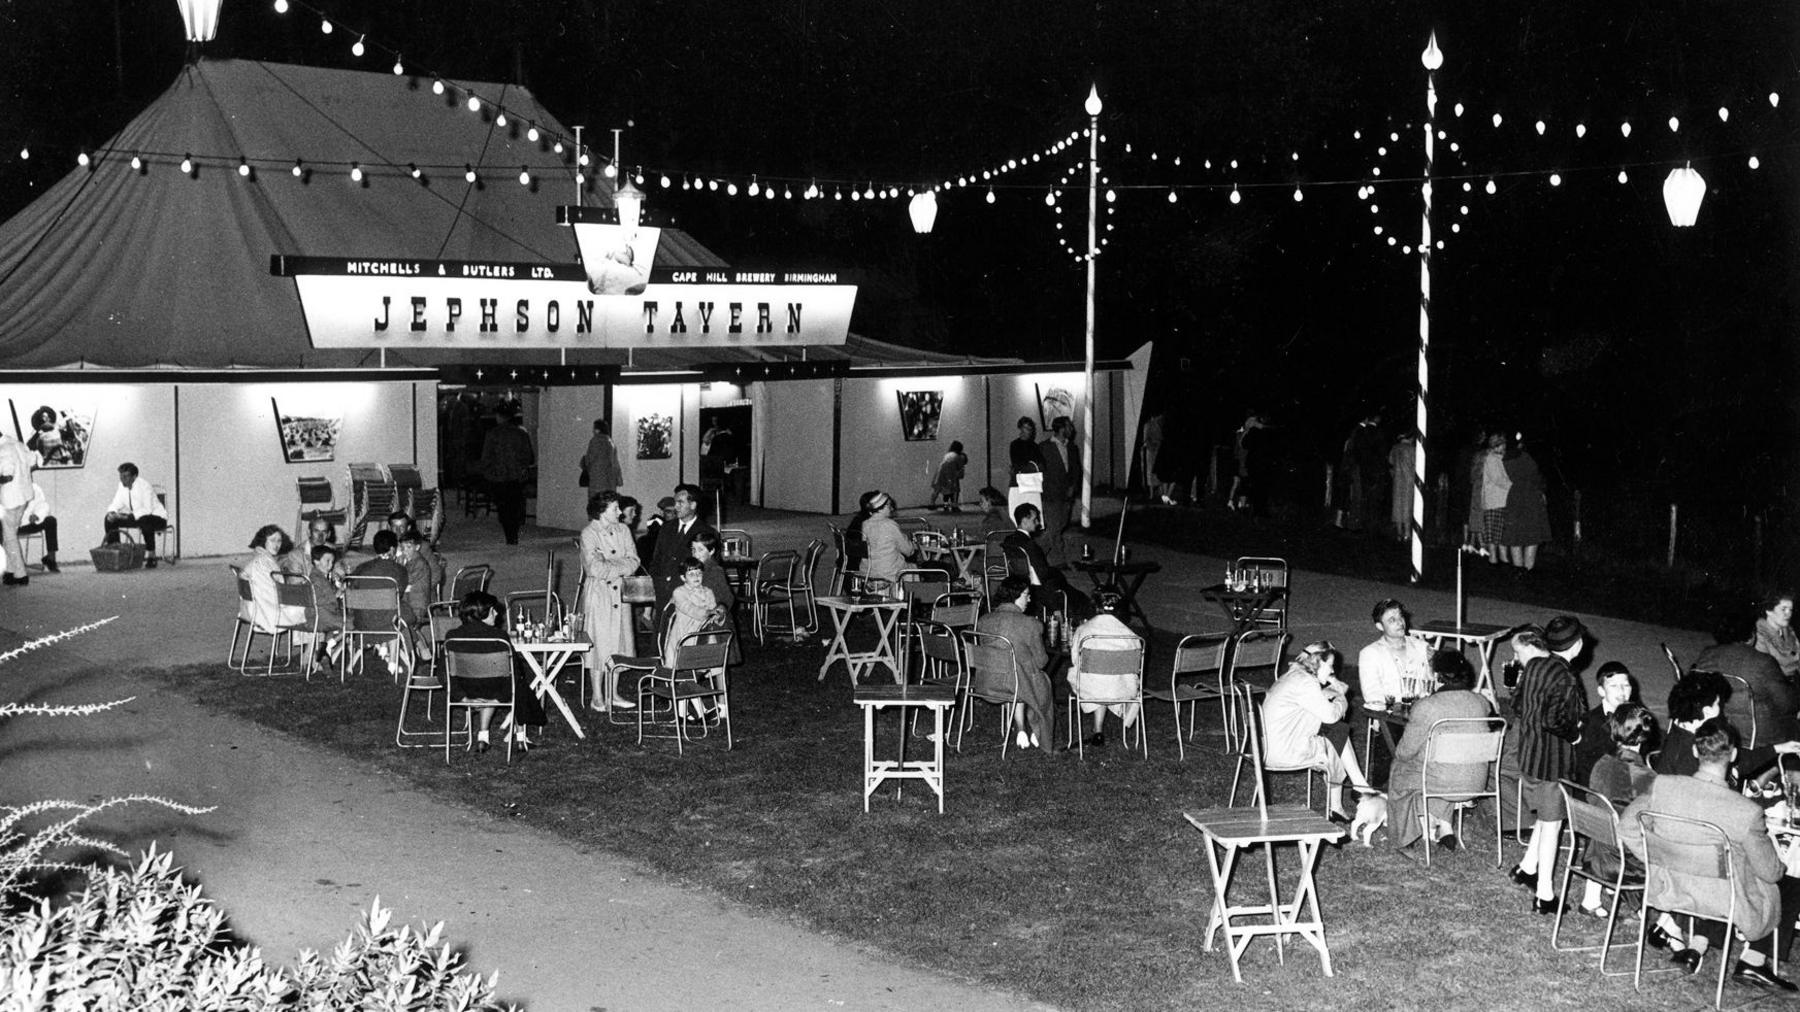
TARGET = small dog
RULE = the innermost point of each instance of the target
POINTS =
(1371, 815)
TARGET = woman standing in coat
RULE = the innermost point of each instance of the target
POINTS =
(608, 556)
(1527, 515)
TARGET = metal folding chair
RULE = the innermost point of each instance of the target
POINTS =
(1108, 656)
(1462, 741)
(1196, 657)
(489, 660)
(1594, 829)
(698, 677)
(1688, 849)
(993, 653)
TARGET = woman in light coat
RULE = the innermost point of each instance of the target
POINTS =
(608, 556)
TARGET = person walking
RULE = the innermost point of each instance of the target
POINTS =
(601, 461)
(506, 462)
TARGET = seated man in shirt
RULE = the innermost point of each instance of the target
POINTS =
(1048, 584)
(134, 504)
(39, 519)
(1763, 898)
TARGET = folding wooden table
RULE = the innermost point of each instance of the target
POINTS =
(547, 658)
(1230, 831)
(938, 699)
(842, 610)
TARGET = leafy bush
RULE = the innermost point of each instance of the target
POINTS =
(142, 939)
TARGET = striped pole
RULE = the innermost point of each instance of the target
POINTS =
(1432, 58)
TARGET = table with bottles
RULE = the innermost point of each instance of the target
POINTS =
(966, 554)
(547, 649)
(1245, 595)
(1125, 574)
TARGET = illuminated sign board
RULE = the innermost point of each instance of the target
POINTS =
(491, 306)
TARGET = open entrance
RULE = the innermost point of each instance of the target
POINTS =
(466, 413)
(725, 443)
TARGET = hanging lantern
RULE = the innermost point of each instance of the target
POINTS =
(923, 210)
(630, 202)
(201, 17)
(1682, 193)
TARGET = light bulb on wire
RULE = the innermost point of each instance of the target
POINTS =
(356, 173)
(357, 49)
(297, 170)
(468, 173)
(524, 176)
(990, 195)
(187, 165)
(399, 68)
(324, 27)
(281, 6)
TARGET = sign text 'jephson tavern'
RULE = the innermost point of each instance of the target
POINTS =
(377, 303)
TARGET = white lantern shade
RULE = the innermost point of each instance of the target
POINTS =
(630, 203)
(923, 210)
(201, 17)
(1682, 193)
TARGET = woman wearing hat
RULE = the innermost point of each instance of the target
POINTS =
(1549, 705)
(1303, 722)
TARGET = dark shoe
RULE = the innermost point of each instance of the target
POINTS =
(1523, 879)
(1449, 842)
(1338, 817)
(1748, 974)
(1546, 907)
(1097, 740)
(482, 746)
(14, 581)
(150, 562)
(1686, 959)
(50, 564)
(1656, 937)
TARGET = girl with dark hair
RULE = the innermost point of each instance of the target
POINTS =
(479, 615)
(946, 485)
(262, 571)
(1775, 631)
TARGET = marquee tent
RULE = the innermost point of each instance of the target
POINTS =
(140, 301)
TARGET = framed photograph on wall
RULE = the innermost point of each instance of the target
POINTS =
(306, 438)
(919, 413)
(655, 437)
(60, 433)
(1054, 403)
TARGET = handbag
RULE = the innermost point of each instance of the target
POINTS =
(1030, 481)
(583, 480)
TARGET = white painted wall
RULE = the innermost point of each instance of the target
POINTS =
(130, 423)
(232, 476)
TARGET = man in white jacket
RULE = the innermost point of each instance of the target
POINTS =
(134, 504)
(16, 464)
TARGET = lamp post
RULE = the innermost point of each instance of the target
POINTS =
(1093, 251)
(1432, 58)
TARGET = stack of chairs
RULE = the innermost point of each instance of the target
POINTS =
(424, 505)
(372, 497)
(318, 500)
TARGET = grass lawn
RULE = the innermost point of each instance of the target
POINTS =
(1077, 883)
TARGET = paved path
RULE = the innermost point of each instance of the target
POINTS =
(303, 839)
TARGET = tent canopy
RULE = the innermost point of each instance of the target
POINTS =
(115, 268)
(122, 268)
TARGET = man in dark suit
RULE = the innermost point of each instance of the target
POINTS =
(1772, 699)
(1062, 484)
(1025, 557)
(675, 542)
(1765, 897)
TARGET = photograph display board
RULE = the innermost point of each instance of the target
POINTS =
(919, 413)
(60, 432)
(655, 437)
(308, 432)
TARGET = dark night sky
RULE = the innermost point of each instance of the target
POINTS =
(1574, 311)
